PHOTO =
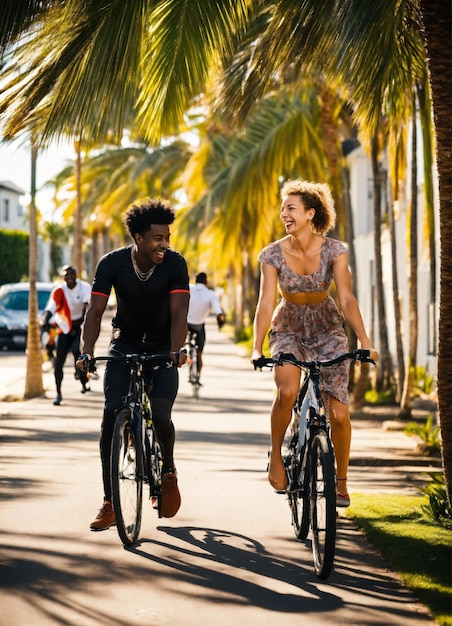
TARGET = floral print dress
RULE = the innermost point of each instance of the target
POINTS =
(310, 331)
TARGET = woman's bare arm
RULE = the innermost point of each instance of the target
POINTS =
(265, 307)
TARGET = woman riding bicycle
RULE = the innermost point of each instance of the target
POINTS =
(307, 322)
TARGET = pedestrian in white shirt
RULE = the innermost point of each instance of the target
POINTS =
(68, 303)
(202, 300)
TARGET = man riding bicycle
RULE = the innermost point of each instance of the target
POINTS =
(151, 288)
(202, 300)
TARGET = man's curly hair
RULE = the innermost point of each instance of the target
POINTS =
(139, 218)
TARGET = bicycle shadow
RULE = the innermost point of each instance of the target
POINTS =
(240, 568)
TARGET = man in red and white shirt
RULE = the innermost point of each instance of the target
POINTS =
(68, 303)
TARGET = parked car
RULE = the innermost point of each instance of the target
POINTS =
(14, 312)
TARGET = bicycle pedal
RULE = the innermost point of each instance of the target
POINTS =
(154, 502)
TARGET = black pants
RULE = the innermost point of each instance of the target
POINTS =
(163, 384)
(65, 344)
(200, 330)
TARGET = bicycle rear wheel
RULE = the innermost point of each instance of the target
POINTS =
(194, 374)
(323, 504)
(126, 477)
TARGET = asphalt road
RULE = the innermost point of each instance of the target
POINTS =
(229, 556)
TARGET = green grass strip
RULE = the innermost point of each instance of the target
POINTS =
(416, 548)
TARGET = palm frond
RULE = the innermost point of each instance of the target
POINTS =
(79, 71)
(186, 39)
(17, 16)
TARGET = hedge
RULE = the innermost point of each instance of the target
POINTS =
(14, 249)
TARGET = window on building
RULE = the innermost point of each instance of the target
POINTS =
(6, 210)
(20, 210)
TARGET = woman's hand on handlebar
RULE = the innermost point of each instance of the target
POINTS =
(373, 355)
(255, 356)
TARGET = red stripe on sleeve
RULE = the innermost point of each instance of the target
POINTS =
(98, 293)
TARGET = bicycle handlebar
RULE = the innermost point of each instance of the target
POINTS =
(356, 355)
(157, 359)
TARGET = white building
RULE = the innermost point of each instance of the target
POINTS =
(13, 217)
(12, 214)
(361, 192)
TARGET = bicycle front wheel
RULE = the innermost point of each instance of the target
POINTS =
(126, 477)
(323, 504)
(194, 375)
(299, 500)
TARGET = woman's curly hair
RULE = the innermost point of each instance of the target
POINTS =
(315, 196)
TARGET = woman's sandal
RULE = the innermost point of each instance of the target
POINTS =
(342, 499)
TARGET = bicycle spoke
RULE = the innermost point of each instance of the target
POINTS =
(194, 375)
(154, 464)
(126, 476)
(298, 495)
(323, 505)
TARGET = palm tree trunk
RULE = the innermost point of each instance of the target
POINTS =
(33, 378)
(396, 299)
(358, 388)
(436, 15)
(330, 140)
(425, 116)
(385, 371)
(407, 395)
(77, 252)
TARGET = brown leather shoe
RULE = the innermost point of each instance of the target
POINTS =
(170, 495)
(105, 518)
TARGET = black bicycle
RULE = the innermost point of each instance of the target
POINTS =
(193, 366)
(310, 463)
(135, 452)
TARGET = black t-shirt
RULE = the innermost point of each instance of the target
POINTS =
(143, 311)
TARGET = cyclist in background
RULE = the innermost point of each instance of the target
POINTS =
(152, 293)
(202, 300)
(307, 322)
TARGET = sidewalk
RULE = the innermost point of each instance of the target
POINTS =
(228, 557)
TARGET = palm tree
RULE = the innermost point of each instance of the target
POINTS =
(234, 209)
(408, 383)
(113, 178)
(77, 255)
(384, 374)
(33, 379)
(436, 18)
(395, 290)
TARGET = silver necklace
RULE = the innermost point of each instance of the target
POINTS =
(143, 276)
